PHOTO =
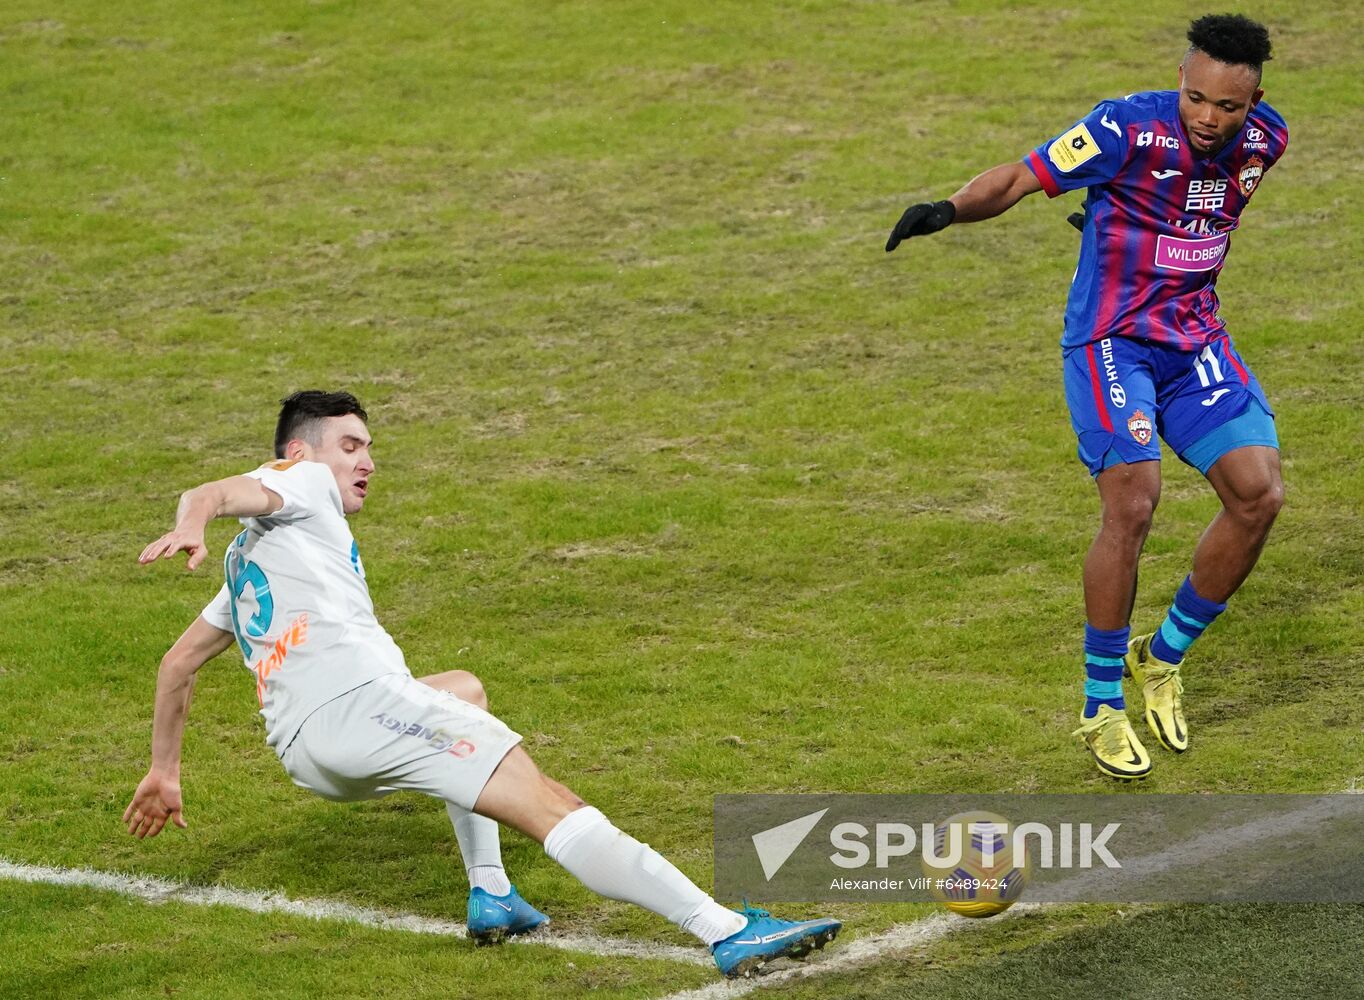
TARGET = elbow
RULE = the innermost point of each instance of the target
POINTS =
(175, 669)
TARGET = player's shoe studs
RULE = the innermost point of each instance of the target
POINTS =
(492, 918)
(1114, 744)
(766, 938)
(1162, 692)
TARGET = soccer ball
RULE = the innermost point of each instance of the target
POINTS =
(971, 887)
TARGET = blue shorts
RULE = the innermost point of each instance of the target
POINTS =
(1123, 394)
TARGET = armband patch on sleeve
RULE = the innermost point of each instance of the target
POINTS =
(1072, 149)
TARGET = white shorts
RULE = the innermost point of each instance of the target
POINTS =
(396, 733)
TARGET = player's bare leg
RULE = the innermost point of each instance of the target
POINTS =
(521, 797)
(1250, 486)
(1129, 494)
(1248, 482)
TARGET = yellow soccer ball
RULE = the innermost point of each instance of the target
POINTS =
(987, 878)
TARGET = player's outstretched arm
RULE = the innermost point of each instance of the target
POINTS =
(983, 197)
(157, 798)
(237, 496)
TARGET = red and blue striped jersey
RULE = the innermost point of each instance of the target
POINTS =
(1159, 216)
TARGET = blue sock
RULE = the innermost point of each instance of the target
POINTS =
(1104, 651)
(1189, 616)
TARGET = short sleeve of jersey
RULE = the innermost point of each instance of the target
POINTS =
(1267, 132)
(219, 611)
(305, 487)
(1090, 152)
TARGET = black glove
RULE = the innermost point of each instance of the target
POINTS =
(920, 220)
(1077, 219)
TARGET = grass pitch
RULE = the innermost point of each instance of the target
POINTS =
(713, 493)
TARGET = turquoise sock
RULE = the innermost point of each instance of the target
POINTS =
(1104, 651)
(1189, 615)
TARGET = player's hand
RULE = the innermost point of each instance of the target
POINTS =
(921, 220)
(1077, 219)
(176, 541)
(156, 800)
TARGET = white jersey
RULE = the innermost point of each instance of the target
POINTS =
(297, 601)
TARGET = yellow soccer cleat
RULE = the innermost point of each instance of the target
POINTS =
(1162, 691)
(1114, 745)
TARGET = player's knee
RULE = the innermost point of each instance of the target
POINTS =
(471, 689)
(462, 684)
(1273, 500)
(1258, 509)
(1130, 518)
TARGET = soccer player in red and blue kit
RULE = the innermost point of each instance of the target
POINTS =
(1167, 174)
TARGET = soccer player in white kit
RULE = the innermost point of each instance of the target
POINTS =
(349, 721)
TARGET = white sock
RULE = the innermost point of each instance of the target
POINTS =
(489, 879)
(616, 865)
(712, 922)
(481, 847)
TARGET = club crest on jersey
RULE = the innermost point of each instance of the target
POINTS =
(1250, 175)
(1072, 149)
(1139, 426)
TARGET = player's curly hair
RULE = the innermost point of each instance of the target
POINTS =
(1231, 38)
(301, 415)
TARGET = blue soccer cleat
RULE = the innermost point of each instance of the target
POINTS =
(766, 938)
(492, 918)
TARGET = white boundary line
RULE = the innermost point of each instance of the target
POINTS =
(861, 951)
(158, 890)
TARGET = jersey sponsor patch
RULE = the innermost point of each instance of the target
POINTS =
(280, 466)
(1072, 149)
(1206, 195)
(1190, 255)
(439, 740)
(1150, 138)
(295, 634)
